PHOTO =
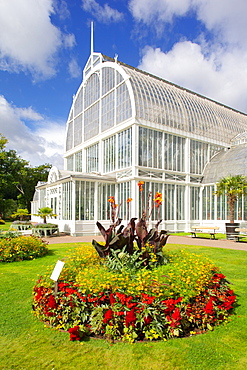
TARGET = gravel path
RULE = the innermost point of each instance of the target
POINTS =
(186, 240)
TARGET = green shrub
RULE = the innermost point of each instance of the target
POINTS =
(44, 226)
(9, 234)
(22, 248)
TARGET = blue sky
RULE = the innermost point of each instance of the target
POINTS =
(44, 45)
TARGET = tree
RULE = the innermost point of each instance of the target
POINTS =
(27, 180)
(232, 187)
(17, 178)
(44, 213)
(3, 142)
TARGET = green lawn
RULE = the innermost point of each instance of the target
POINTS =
(27, 344)
(6, 226)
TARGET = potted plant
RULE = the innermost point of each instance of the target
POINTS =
(232, 187)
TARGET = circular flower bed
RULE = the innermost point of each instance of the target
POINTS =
(19, 248)
(120, 298)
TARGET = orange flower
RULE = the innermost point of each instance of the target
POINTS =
(140, 183)
(158, 199)
(111, 199)
(129, 200)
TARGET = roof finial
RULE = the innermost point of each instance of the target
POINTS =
(92, 38)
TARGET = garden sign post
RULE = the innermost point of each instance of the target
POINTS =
(55, 274)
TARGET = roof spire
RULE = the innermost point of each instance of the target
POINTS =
(92, 46)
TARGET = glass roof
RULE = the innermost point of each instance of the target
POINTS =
(231, 161)
(160, 101)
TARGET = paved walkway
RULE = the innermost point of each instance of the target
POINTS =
(186, 240)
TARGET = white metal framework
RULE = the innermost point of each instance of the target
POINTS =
(126, 125)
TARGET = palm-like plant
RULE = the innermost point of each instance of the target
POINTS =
(20, 213)
(45, 212)
(232, 187)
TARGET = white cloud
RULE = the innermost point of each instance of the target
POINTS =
(227, 19)
(28, 39)
(163, 11)
(212, 64)
(44, 144)
(28, 113)
(104, 14)
(74, 69)
(69, 40)
(61, 8)
(187, 66)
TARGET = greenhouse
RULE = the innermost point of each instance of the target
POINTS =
(127, 126)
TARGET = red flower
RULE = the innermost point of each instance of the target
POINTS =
(112, 299)
(61, 286)
(228, 304)
(176, 315)
(147, 320)
(209, 308)
(130, 318)
(52, 302)
(170, 304)
(74, 333)
(130, 304)
(108, 316)
(147, 299)
(122, 297)
(40, 292)
(119, 313)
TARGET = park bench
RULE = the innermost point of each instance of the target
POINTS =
(242, 233)
(204, 230)
(20, 227)
(45, 231)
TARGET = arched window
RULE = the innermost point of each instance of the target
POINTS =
(92, 90)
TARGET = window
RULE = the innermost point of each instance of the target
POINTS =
(198, 156)
(91, 122)
(194, 202)
(168, 197)
(92, 90)
(108, 79)
(110, 154)
(69, 139)
(104, 192)
(79, 103)
(208, 203)
(78, 130)
(67, 201)
(150, 148)
(124, 148)
(92, 158)
(42, 199)
(146, 200)
(108, 111)
(84, 200)
(70, 163)
(78, 162)
(180, 190)
(123, 195)
(123, 104)
(174, 153)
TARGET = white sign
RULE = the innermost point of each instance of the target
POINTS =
(57, 270)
